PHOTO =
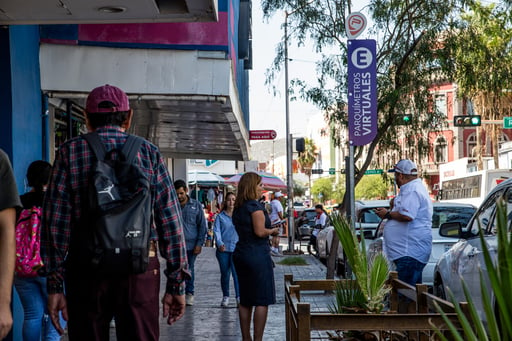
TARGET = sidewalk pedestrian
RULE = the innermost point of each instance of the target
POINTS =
(92, 299)
(408, 232)
(226, 239)
(276, 218)
(9, 201)
(195, 232)
(32, 290)
(252, 257)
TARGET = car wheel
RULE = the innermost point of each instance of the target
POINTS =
(439, 289)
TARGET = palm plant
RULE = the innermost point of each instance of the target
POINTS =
(498, 314)
(370, 274)
(307, 159)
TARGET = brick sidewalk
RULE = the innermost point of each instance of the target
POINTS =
(207, 321)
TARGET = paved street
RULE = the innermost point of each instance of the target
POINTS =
(206, 320)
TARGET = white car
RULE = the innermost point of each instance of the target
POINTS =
(443, 213)
(465, 258)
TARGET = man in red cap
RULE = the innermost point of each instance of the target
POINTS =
(90, 301)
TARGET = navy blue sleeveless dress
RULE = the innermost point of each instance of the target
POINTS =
(252, 259)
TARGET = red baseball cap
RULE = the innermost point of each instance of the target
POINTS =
(107, 93)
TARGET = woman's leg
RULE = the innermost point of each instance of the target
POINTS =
(245, 314)
(233, 273)
(33, 307)
(260, 319)
(224, 264)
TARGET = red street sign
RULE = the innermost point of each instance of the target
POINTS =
(262, 134)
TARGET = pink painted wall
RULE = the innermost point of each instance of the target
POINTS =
(209, 33)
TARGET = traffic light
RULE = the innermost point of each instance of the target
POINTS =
(467, 121)
(404, 119)
(300, 145)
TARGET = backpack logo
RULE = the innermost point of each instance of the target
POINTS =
(116, 222)
(28, 258)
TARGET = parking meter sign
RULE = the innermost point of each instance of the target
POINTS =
(362, 91)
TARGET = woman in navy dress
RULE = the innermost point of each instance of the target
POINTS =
(252, 259)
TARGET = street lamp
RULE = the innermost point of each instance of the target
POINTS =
(289, 151)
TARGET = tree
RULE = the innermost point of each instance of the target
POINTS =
(479, 59)
(322, 189)
(406, 32)
(298, 189)
(307, 159)
(371, 187)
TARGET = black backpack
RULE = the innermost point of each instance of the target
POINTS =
(116, 223)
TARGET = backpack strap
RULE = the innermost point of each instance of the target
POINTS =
(96, 145)
(131, 148)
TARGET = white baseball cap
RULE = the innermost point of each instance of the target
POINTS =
(407, 167)
(278, 194)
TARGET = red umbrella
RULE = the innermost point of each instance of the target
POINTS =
(270, 181)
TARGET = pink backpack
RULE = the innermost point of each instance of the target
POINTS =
(28, 229)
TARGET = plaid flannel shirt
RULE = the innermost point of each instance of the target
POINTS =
(62, 210)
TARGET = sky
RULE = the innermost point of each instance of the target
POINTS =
(266, 110)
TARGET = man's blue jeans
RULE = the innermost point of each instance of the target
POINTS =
(227, 267)
(34, 299)
(189, 283)
(409, 270)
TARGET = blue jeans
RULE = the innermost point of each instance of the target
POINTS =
(227, 267)
(34, 299)
(409, 270)
(189, 283)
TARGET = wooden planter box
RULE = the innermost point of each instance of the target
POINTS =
(312, 313)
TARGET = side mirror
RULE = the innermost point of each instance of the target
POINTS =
(451, 230)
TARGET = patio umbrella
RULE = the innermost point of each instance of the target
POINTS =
(204, 178)
(270, 181)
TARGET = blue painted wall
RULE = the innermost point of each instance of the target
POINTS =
(26, 98)
(21, 129)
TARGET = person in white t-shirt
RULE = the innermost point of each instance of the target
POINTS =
(408, 232)
(276, 217)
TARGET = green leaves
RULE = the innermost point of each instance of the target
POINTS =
(371, 275)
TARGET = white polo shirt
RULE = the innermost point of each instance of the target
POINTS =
(413, 238)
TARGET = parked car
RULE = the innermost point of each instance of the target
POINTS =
(443, 213)
(464, 260)
(367, 221)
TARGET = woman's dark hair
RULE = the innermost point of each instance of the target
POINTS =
(224, 203)
(38, 174)
(102, 119)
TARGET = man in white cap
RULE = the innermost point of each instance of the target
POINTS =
(276, 216)
(408, 232)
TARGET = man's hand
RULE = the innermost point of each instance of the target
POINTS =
(5, 319)
(56, 304)
(173, 307)
(221, 248)
(197, 250)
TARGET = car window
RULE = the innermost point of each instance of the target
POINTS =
(485, 216)
(310, 215)
(369, 216)
(452, 214)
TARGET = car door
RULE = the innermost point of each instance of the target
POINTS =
(470, 260)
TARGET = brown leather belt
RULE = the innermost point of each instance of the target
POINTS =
(152, 248)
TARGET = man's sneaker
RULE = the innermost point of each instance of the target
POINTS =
(189, 298)
(225, 302)
(275, 254)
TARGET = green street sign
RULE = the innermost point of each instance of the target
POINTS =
(332, 171)
(373, 171)
(507, 122)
